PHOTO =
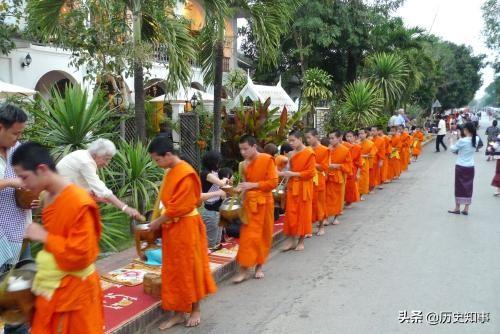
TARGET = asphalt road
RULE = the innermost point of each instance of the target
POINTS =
(399, 250)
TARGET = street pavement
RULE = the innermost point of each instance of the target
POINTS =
(399, 251)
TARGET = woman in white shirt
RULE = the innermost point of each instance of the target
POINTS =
(465, 147)
(80, 167)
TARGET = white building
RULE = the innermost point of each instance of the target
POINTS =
(51, 66)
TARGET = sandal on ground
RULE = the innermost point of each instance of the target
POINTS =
(456, 212)
(465, 213)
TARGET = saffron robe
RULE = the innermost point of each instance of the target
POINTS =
(367, 148)
(418, 138)
(281, 162)
(298, 214)
(256, 236)
(319, 184)
(74, 227)
(375, 171)
(336, 178)
(405, 150)
(385, 161)
(351, 186)
(186, 276)
(394, 162)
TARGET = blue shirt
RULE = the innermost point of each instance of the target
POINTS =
(400, 120)
(465, 151)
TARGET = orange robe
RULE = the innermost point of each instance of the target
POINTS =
(298, 214)
(281, 161)
(256, 236)
(367, 148)
(385, 162)
(186, 276)
(319, 185)
(418, 138)
(351, 186)
(394, 162)
(336, 179)
(405, 150)
(74, 228)
(375, 171)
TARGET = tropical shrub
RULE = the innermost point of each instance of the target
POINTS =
(361, 105)
(68, 123)
(389, 73)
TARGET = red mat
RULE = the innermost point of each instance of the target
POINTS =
(123, 303)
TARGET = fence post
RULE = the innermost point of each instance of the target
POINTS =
(190, 132)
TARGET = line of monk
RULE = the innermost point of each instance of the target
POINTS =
(320, 179)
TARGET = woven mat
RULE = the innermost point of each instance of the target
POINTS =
(130, 275)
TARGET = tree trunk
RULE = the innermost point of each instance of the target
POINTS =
(140, 113)
(219, 57)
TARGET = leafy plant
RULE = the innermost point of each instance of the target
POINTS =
(67, 123)
(133, 176)
(115, 228)
(235, 81)
(388, 72)
(361, 104)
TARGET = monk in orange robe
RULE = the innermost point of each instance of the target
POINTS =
(256, 235)
(368, 152)
(319, 181)
(339, 165)
(395, 165)
(67, 285)
(351, 186)
(418, 138)
(186, 276)
(385, 161)
(405, 148)
(298, 214)
(281, 159)
(376, 171)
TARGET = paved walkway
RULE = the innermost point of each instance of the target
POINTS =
(400, 250)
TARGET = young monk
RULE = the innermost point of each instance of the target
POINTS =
(368, 152)
(351, 187)
(339, 165)
(67, 285)
(319, 181)
(405, 148)
(186, 276)
(385, 162)
(394, 161)
(281, 160)
(376, 171)
(418, 138)
(256, 236)
(298, 214)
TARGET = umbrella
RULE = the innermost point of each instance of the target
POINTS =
(7, 90)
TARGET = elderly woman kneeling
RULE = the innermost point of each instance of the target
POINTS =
(80, 168)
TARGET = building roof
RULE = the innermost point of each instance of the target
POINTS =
(279, 98)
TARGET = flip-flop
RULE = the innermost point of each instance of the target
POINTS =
(456, 212)
(465, 213)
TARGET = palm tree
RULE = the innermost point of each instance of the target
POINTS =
(388, 72)
(316, 87)
(361, 104)
(103, 36)
(269, 21)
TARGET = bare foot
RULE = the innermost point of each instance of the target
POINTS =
(336, 222)
(321, 231)
(259, 274)
(241, 277)
(194, 319)
(362, 199)
(289, 245)
(300, 247)
(308, 236)
(177, 319)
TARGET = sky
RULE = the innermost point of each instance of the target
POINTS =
(458, 21)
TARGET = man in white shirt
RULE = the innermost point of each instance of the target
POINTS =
(392, 120)
(441, 133)
(80, 167)
(400, 119)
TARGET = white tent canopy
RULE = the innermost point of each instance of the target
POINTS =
(279, 98)
(7, 90)
(184, 95)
